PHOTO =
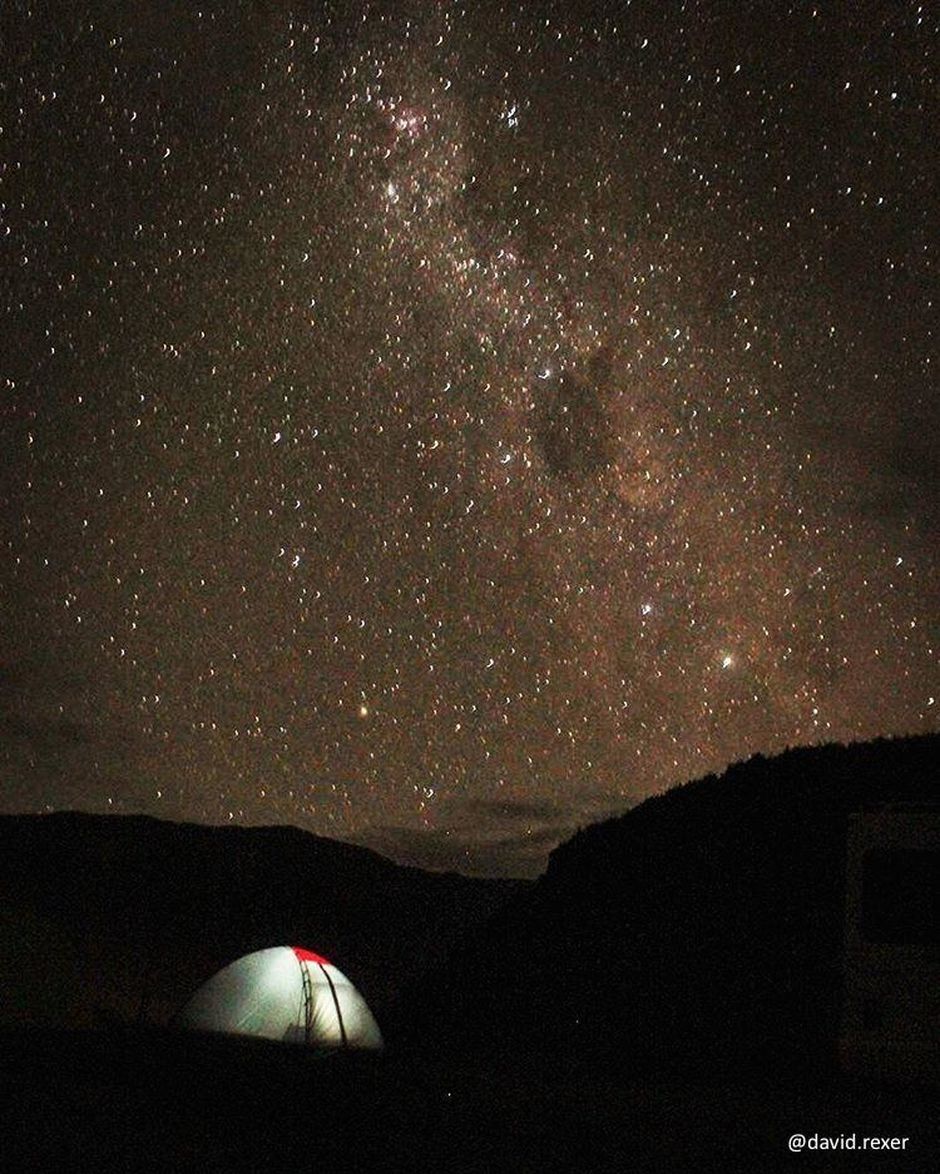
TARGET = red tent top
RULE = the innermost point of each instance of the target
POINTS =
(308, 956)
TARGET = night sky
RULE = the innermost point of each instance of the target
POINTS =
(440, 426)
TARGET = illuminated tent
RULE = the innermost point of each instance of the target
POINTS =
(284, 993)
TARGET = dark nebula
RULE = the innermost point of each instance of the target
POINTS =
(575, 436)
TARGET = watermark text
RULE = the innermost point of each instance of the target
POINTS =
(845, 1141)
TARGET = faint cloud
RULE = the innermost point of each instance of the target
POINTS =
(479, 837)
(507, 809)
(521, 855)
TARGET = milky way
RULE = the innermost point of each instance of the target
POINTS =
(442, 426)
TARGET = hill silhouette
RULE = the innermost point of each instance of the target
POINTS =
(701, 930)
(665, 997)
(117, 919)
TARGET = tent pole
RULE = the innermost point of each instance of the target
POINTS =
(308, 1000)
(339, 1016)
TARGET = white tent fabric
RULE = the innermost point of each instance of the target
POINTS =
(284, 993)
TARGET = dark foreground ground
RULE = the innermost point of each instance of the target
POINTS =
(141, 1100)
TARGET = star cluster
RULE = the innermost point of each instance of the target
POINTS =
(440, 425)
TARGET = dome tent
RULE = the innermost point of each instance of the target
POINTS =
(284, 993)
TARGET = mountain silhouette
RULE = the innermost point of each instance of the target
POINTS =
(117, 919)
(701, 930)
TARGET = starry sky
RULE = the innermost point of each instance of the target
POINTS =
(442, 425)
